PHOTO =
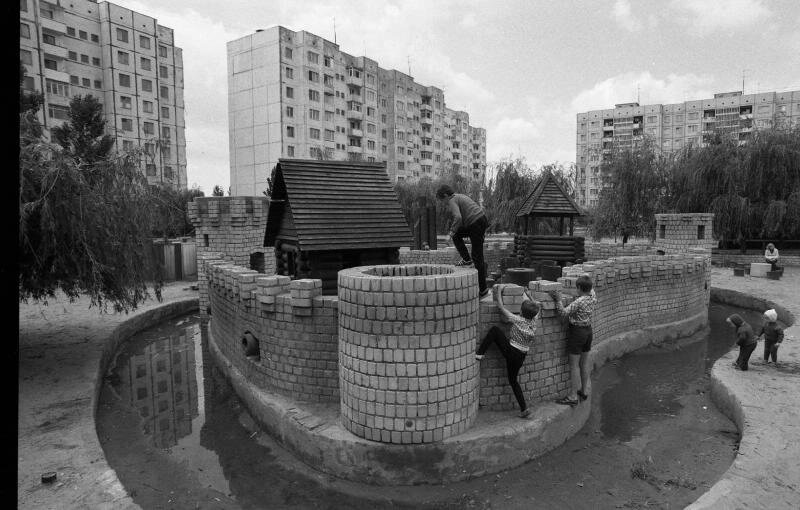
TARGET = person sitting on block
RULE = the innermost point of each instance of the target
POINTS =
(771, 256)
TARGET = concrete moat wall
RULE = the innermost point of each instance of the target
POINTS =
(406, 351)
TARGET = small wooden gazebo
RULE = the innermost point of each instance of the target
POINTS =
(325, 216)
(548, 200)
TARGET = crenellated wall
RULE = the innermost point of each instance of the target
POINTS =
(493, 253)
(677, 232)
(602, 251)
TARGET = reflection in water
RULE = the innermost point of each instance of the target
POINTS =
(158, 380)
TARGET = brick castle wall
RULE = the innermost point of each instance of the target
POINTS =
(493, 253)
(677, 232)
(407, 345)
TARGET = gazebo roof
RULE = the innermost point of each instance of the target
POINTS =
(336, 205)
(548, 198)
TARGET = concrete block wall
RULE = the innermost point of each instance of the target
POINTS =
(295, 325)
(545, 373)
(233, 226)
(637, 292)
(681, 232)
(493, 253)
(407, 342)
(602, 251)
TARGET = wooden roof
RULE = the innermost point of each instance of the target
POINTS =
(548, 198)
(337, 205)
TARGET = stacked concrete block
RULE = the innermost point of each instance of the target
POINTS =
(407, 340)
(233, 226)
(603, 251)
(545, 374)
(493, 253)
(294, 324)
(676, 233)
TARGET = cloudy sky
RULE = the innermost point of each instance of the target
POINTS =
(522, 69)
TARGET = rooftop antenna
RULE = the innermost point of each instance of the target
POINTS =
(408, 59)
(637, 92)
(334, 30)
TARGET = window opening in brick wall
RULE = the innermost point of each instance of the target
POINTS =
(701, 231)
(662, 232)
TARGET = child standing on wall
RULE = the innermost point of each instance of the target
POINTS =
(515, 348)
(773, 335)
(579, 337)
(745, 339)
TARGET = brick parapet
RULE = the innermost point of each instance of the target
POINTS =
(493, 253)
(681, 232)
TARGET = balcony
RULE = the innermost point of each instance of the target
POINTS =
(355, 148)
(355, 114)
(52, 25)
(426, 120)
(746, 116)
(352, 80)
(56, 75)
(55, 51)
(425, 107)
(355, 132)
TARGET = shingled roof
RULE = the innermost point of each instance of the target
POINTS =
(336, 205)
(548, 198)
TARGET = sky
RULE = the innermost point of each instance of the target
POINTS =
(521, 69)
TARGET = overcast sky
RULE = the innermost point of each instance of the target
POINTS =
(521, 69)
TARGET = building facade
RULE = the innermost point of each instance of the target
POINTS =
(297, 95)
(673, 127)
(125, 59)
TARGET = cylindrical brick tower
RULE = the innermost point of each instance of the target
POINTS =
(407, 368)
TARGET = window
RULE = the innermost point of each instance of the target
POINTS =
(383, 149)
(313, 76)
(149, 149)
(95, 38)
(313, 133)
(24, 31)
(147, 106)
(74, 80)
(165, 151)
(122, 35)
(313, 114)
(313, 57)
(49, 39)
(148, 128)
(58, 88)
(165, 112)
(51, 64)
(144, 42)
(72, 55)
(289, 111)
(662, 232)
(96, 61)
(401, 165)
(168, 172)
(127, 145)
(85, 59)
(98, 84)
(326, 61)
(371, 128)
(701, 231)
(86, 82)
(145, 63)
(692, 128)
(83, 35)
(290, 151)
(165, 132)
(290, 131)
(27, 83)
(692, 116)
(163, 72)
(55, 111)
(313, 95)
(289, 92)
(26, 57)
(164, 92)
(328, 135)
(383, 134)
(371, 144)
(23, 5)
(162, 51)
(150, 170)
(123, 57)
(287, 53)
(147, 85)
(127, 124)
(125, 102)
(328, 116)
(289, 73)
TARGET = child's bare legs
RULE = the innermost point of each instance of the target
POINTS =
(584, 366)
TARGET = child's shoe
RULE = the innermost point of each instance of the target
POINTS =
(464, 263)
(525, 413)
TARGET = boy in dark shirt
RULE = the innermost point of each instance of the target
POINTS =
(745, 339)
(773, 335)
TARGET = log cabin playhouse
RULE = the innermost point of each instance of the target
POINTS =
(325, 216)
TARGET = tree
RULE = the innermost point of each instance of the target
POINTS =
(85, 217)
(171, 210)
(84, 136)
(217, 192)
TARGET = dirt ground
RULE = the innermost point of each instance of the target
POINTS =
(654, 440)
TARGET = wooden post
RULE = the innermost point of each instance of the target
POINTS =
(572, 226)
(561, 225)
(525, 231)
(431, 226)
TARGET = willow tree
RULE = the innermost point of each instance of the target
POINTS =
(84, 218)
(505, 193)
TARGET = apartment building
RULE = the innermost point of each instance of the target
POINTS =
(125, 59)
(673, 127)
(297, 95)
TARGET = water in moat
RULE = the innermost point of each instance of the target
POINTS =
(178, 437)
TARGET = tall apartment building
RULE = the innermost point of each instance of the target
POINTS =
(673, 127)
(297, 95)
(125, 59)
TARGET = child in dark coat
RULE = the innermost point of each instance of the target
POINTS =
(745, 339)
